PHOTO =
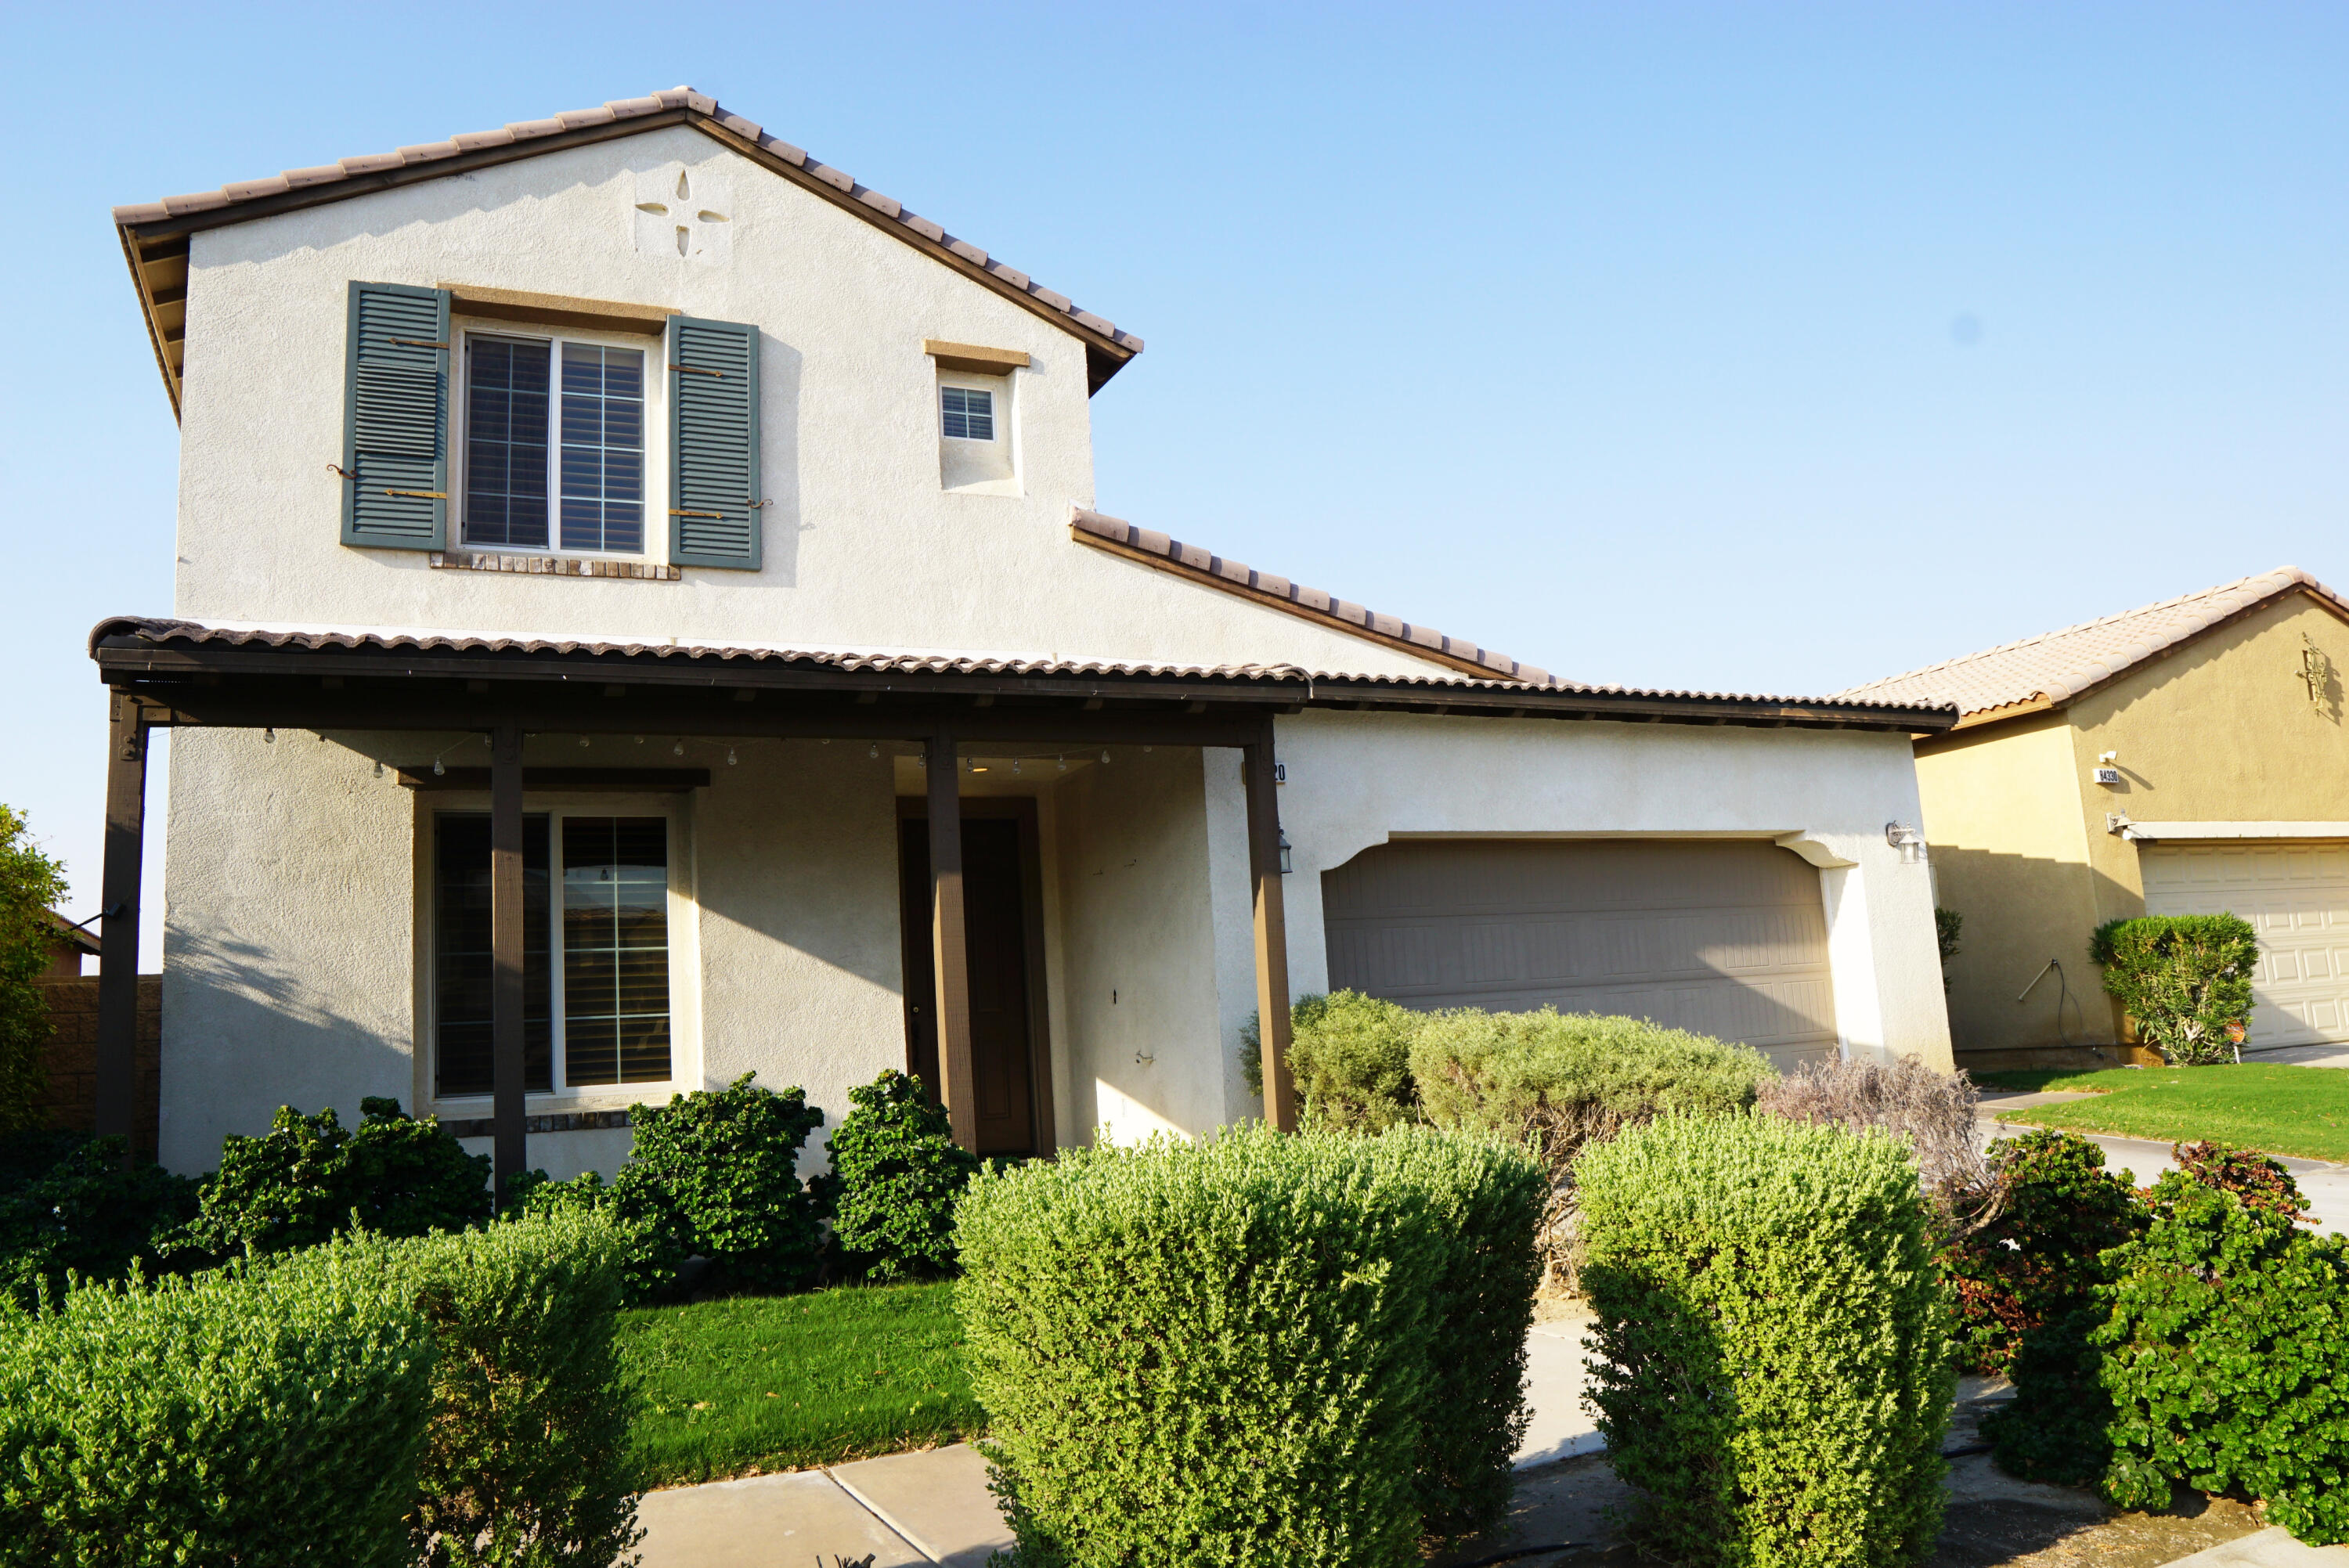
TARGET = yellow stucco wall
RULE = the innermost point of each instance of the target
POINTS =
(2221, 729)
(2009, 853)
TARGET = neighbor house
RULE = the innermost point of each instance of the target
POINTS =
(641, 618)
(2185, 758)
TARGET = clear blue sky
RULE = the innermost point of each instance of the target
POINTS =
(1751, 347)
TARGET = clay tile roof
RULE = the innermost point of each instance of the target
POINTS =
(2053, 667)
(1704, 708)
(365, 172)
(1198, 564)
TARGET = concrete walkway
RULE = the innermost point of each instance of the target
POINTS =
(2325, 1185)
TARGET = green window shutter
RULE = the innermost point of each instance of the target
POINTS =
(713, 399)
(396, 418)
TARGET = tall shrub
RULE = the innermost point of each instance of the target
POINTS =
(1350, 1057)
(1486, 1200)
(526, 1463)
(2056, 1212)
(1223, 1352)
(724, 1164)
(1775, 1374)
(31, 884)
(2185, 978)
(895, 1174)
(244, 1417)
(303, 1180)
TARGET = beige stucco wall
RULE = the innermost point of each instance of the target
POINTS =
(1360, 780)
(864, 546)
(2220, 730)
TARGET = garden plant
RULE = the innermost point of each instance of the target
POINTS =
(895, 1174)
(1226, 1352)
(2054, 1212)
(2185, 978)
(1775, 1373)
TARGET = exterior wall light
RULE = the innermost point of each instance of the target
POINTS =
(1285, 866)
(1908, 840)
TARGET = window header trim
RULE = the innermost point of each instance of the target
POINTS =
(559, 310)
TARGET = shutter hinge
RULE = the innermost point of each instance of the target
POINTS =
(338, 469)
(415, 343)
(758, 505)
(421, 495)
(674, 512)
(696, 370)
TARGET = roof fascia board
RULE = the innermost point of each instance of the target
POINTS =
(1104, 356)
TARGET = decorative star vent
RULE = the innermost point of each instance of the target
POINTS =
(685, 214)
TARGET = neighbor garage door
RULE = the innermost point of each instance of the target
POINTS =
(1726, 939)
(2298, 896)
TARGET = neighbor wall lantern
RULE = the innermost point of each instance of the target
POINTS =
(1285, 866)
(1908, 840)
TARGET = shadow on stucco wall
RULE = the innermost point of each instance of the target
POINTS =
(2020, 912)
(243, 1034)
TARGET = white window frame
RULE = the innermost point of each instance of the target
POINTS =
(655, 454)
(677, 907)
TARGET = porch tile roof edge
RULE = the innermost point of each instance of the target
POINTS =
(162, 630)
(2053, 667)
(698, 105)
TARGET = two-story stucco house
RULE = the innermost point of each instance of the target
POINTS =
(640, 618)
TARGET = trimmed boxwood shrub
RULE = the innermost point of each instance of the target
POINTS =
(654, 1239)
(526, 1461)
(896, 1173)
(2056, 1210)
(303, 1181)
(71, 1201)
(247, 1417)
(1349, 1056)
(1222, 1352)
(1775, 1374)
(2185, 978)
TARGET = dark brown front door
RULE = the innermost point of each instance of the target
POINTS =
(996, 920)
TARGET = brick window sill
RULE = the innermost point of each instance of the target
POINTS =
(554, 566)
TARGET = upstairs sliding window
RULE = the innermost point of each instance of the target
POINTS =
(532, 434)
(596, 988)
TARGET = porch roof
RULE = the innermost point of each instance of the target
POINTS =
(181, 661)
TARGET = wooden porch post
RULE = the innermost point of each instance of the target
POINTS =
(510, 1144)
(117, 955)
(949, 954)
(1271, 932)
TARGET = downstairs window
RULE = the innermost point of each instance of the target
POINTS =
(595, 986)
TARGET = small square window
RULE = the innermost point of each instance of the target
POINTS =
(969, 414)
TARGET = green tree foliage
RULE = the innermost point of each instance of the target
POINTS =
(1776, 1373)
(1252, 1350)
(2055, 1212)
(267, 1420)
(1350, 1057)
(895, 1174)
(305, 1178)
(31, 884)
(2185, 978)
(70, 1201)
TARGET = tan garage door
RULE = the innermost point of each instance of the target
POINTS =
(1726, 939)
(2298, 896)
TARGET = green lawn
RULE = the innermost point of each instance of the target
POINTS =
(2276, 1109)
(755, 1383)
